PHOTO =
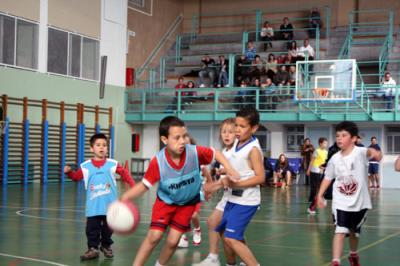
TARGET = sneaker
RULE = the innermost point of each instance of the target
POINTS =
(354, 260)
(196, 236)
(90, 254)
(183, 242)
(208, 262)
(202, 86)
(335, 263)
(310, 211)
(242, 263)
(108, 253)
(226, 86)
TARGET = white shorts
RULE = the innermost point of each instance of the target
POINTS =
(222, 203)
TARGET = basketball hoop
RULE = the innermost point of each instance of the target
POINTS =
(321, 93)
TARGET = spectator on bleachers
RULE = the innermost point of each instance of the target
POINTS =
(293, 52)
(267, 33)
(281, 59)
(250, 51)
(292, 75)
(282, 171)
(314, 22)
(207, 70)
(191, 87)
(282, 76)
(242, 96)
(306, 50)
(181, 84)
(184, 95)
(388, 87)
(286, 30)
(256, 68)
(267, 97)
(223, 66)
(307, 149)
(271, 67)
(242, 69)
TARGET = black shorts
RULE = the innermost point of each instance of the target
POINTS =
(349, 222)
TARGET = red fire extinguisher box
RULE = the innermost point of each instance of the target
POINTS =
(130, 76)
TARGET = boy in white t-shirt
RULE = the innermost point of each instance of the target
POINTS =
(351, 199)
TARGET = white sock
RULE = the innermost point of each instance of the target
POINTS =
(338, 260)
(213, 256)
(158, 264)
(230, 264)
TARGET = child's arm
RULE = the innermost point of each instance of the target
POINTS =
(397, 164)
(320, 197)
(134, 192)
(225, 163)
(373, 153)
(125, 175)
(74, 175)
(257, 163)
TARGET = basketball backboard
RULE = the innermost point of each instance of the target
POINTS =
(326, 80)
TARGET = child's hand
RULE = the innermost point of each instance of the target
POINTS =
(321, 202)
(225, 182)
(67, 169)
(308, 172)
(233, 175)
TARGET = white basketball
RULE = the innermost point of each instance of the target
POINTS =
(123, 217)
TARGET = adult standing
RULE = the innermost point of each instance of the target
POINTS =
(307, 150)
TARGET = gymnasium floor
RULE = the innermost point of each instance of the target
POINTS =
(45, 225)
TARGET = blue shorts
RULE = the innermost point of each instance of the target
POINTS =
(373, 168)
(235, 220)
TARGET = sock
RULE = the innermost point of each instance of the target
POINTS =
(338, 260)
(353, 253)
(158, 264)
(213, 256)
(197, 229)
(230, 264)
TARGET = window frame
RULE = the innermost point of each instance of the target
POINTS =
(295, 134)
(393, 134)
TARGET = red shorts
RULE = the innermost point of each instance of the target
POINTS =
(197, 208)
(177, 217)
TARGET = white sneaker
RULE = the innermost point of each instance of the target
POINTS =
(242, 263)
(202, 86)
(183, 242)
(196, 236)
(226, 86)
(311, 211)
(208, 262)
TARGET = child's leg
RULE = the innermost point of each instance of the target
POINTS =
(337, 246)
(353, 241)
(149, 243)
(196, 220)
(230, 254)
(106, 234)
(275, 177)
(93, 230)
(289, 178)
(242, 250)
(169, 246)
(213, 237)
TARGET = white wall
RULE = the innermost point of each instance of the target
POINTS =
(113, 41)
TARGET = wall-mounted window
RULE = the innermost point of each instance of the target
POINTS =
(392, 140)
(136, 3)
(294, 137)
(19, 40)
(73, 55)
(262, 135)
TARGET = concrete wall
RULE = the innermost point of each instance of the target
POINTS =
(149, 30)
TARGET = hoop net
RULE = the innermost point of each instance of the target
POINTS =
(321, 93)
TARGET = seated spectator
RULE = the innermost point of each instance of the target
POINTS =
(293, 52)
(250, 51)
(242, 69)
(281, 59)
(292, 75)
(282, 171)
(267, 33)
(191, 87)
(388, 87)
(271, 67)
(256, 68)
(181, 85)
(223, 66)
(286, 30)
(241, 98)
(282, 76)
(314, 22)
(306, 50)
(268, 102)
(207, 70)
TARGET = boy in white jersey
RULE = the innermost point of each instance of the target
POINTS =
(245, 197)
(350, 200)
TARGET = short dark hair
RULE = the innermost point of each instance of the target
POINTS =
(322, 139)
(96, 137)
(250, 113)
(373, 138)
(347, 126)
(167, 122)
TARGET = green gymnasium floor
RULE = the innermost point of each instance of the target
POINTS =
(45, 225)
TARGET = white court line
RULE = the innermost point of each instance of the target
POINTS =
(32, 259)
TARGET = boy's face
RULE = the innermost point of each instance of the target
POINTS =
(344, 140)
(228, 134)
(99, 149)
(175, 141)
(243, 129)
(324, 144)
